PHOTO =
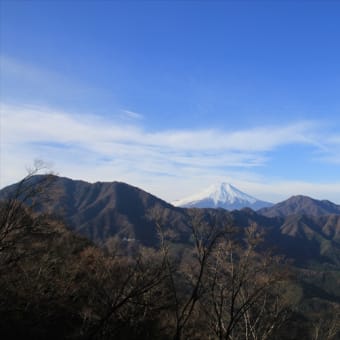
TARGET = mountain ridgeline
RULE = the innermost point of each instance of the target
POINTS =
(102, 210)
(301, 228)
(301, 205)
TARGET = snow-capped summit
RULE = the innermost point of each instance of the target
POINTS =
(222, 195)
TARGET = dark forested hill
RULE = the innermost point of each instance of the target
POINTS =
(103, 210)
(301, 205)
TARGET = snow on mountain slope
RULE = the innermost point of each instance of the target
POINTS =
(222, 195)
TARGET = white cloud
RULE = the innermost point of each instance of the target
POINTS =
(168, 163)
(39, 124)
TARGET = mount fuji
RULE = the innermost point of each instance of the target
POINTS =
(222, 195)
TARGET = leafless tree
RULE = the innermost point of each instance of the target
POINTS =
(328, 328)
(241, 303)
(18, 202)
(121, 286)
(17, 205)
(186, 280)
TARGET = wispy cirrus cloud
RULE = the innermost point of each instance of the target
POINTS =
(37, 124)
(328, 150)
(93, 148)
(23, 81)
(32, 79)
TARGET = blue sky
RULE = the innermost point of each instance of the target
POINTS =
(173, 96)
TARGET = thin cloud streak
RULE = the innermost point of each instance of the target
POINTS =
(131, 115)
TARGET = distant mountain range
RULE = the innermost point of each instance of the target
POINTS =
(304, 229)
(224, 196)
